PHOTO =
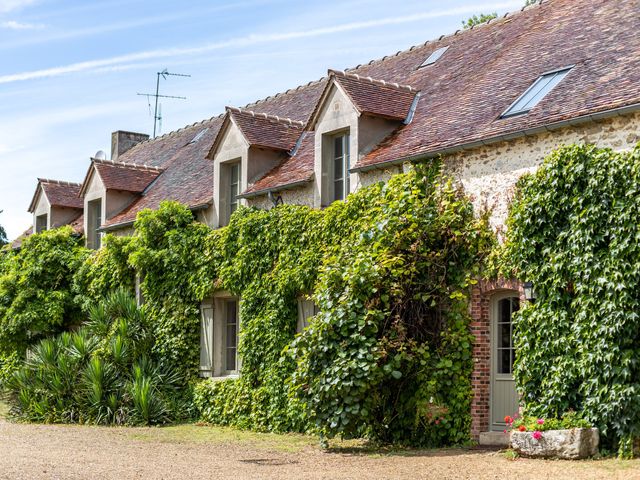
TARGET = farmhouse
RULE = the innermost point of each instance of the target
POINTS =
(491, 101)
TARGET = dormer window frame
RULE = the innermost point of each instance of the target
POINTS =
(42, 223)
(341, 156)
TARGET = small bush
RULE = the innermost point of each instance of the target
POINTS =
(101, 373)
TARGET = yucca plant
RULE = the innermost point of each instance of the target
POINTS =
(102, 373)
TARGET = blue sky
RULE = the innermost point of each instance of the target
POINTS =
(70, 70)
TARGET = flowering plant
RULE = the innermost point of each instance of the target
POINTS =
(537, 425)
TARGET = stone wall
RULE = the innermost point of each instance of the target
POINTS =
(489, 174)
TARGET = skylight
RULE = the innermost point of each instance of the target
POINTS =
(433, 58)
(536, 92)
(198, 136)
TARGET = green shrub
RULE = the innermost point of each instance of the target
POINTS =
(573, 230)
(100, 373)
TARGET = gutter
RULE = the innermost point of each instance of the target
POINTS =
(195, 208)
(265, 191)
(615, 112)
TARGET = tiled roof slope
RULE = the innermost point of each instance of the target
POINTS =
(187, 175)
(268, 131)
(487, 68)
(376, 97)
(125, 177)
(294, 170)
(462, 97)
(59, 193)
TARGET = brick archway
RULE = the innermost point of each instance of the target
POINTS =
(481, 329)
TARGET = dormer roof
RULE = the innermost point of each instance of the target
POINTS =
(126, 177)
(59, 194)
(292, 172)
(369, 96)
(260, 129)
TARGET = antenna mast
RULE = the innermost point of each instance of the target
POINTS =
(157, 113)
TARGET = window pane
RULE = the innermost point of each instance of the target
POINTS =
(504, 311)
(338, 188)
(337, 169)
(231, 335)
(540, 88)
(337, 147)
(504, 360)
(504, 335)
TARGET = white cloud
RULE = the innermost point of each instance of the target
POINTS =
(10, 5)
(250, 40)
(13, 25)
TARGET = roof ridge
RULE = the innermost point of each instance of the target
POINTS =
(536, 4)
(374, 81)
(286, 92)
(274, 118)
(59, 182)
(134, 166)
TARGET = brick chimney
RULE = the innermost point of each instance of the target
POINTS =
(122, 141)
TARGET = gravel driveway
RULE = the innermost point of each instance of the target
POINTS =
(191, 452)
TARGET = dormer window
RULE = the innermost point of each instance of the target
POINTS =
(341, 166)
(536, 92)
(94, 222)
(230, 175)
(234, 187)
(41, 223)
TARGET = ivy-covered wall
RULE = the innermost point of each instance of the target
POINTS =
(388, 357)
(574, 230)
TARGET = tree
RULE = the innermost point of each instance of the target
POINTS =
(3, 235)
(478, 19)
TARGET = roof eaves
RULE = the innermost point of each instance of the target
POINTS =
(614, 112)
(277, 188)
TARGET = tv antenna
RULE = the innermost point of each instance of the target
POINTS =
(157, 112)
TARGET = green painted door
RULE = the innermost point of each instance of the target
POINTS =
(504, 399)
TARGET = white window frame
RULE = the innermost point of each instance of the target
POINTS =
(345, 162)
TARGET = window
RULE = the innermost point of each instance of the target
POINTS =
(434, 57)
(341, 167)
(504, 349)
(231, 336)
(230, 188)
(219, 329)
(94, 222)
(41, 223)
(307, 308)
(536, 92)
(234, 187)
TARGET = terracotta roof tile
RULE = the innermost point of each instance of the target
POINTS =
(376, 97)
(487, 68)
(294, 170)
(187, 177)
(462, 97)
(59, 193)
(269, 131)
(125, 177)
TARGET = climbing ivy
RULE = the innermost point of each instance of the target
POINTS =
(36, 297)
(388, 356)
(574, 230)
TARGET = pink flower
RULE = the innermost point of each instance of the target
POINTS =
(540, 421)
(537, 435)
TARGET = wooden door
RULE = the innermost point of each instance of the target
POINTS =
(504, 399)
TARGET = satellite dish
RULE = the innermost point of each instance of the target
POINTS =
(100, 155)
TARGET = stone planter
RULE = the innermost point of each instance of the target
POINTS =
(568, 444)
